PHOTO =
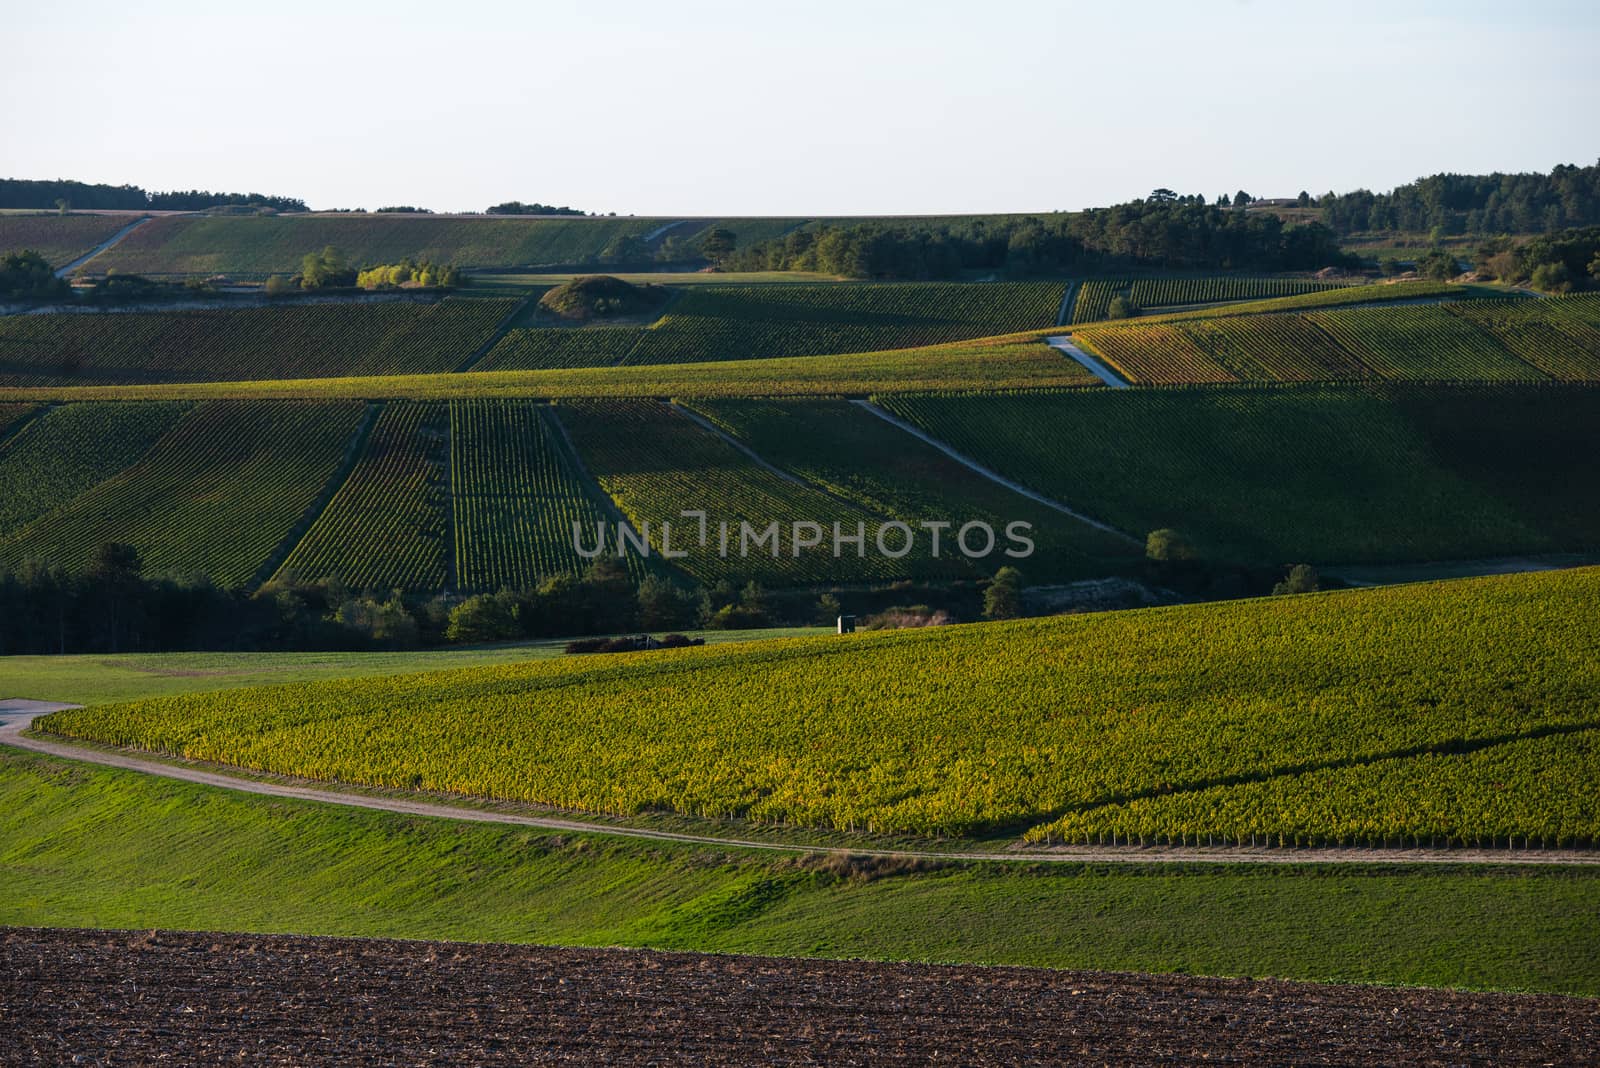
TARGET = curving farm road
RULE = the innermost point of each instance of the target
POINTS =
(17, 715)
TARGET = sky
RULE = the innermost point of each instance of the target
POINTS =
(741, 108)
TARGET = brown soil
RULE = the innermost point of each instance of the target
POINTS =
(93, 997)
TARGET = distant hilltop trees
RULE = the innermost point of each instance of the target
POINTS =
(1568, 196)
(517, 207)
(25, 193)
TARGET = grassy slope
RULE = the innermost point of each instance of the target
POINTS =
(93, 679)
(985, 729)
(93, 847)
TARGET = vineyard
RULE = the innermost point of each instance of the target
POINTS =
(1094, 298)
(1561, 336)
(1163, 292)
(856, 455)
(759, 322)
(256, 246)
(388, 526)
(1320, 473)
(69, 450)
(1384, 716)
(217, 494)
(1487, 341)
(548, 348)
(60, 239)
(240, 344)
(1423, 342)
(656, 463)
(516, 495)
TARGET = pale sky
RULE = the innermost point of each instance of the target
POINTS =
(750, 108)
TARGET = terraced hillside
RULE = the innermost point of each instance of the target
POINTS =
(1405, 713)
(59, 238)
(1320, 473)
(859, 456)
(217, 494)
(755, 322)
(245, 344)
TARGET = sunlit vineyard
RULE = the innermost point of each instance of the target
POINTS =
(656, 463)
(1094, 297)
(293, 341)
(1161, 292)
(1267, 348)
(70, 449)
(1156, 354)
(757, 322)
(1367, 716)
(1561, 337)
(516, 494)
(545, 348)
(217, 494)
(1423, 342)
(859, 456)
(388, 526)
(1318, 473)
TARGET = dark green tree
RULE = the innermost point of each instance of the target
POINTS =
(1003, 597)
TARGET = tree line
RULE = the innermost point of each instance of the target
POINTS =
(1568, 196)
(1164, 231)
(26, 193)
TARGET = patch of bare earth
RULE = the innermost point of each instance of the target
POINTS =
(95, 997)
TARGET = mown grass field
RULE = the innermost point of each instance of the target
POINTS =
(225, 344)
(1461, 710)
(91, 847)
(1324, 474)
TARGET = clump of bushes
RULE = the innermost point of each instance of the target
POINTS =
(600, 296)
(632, 644)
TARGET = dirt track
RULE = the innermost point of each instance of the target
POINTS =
(94, 997)
(16, 716)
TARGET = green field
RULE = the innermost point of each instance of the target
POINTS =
(861, 457)
(1426, 693)
(60, 239)
(217, 494)
(102, 678)
(757, 322)
(388, 527)
(91, 847)
(1317, 473)
(210, 345)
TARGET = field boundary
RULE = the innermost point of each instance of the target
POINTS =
(496, 335)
